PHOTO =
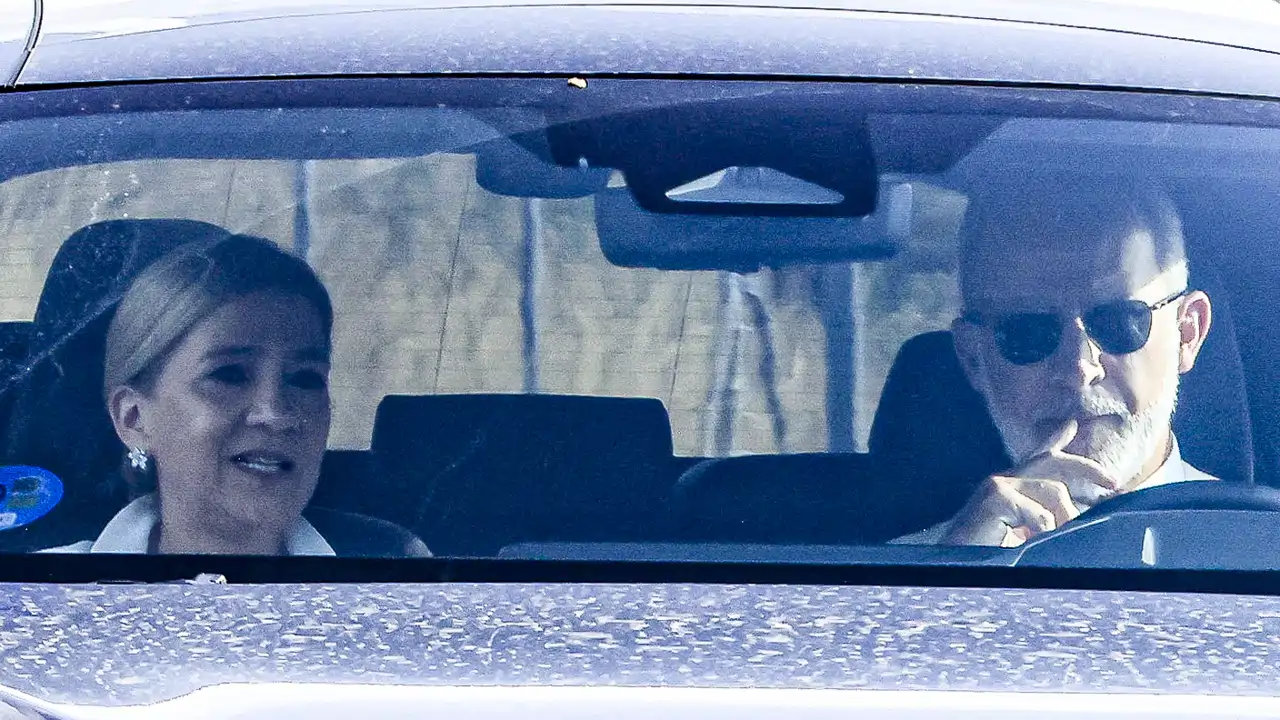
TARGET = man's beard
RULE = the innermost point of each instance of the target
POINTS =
(1122, 451)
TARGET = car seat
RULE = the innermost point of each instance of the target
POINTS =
(58, 418)
(802, 498)
(931, 435)
(15, 341)
(475, 472)
(931, 443)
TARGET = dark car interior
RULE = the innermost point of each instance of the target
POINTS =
(472, 474)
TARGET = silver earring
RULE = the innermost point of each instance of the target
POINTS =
(139, 459)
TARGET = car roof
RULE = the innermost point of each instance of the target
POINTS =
(1233, 22)
(1153, 44)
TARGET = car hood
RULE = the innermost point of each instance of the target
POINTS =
(135, 644)
(340, 701)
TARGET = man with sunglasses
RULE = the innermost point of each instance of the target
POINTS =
(1077, 324)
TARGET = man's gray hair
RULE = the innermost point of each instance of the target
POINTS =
(1053, 208)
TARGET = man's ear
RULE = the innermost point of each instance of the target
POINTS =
(968, 341)
(127, 408)
(1194, 320)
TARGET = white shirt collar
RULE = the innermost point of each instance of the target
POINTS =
(130, 532)
(1173, 470)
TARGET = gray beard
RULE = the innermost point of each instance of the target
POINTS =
(1122, 452)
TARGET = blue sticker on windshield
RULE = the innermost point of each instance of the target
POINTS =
(26, 495)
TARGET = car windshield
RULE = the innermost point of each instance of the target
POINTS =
(620, 319)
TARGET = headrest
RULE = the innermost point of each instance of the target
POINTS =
(95, 266)
(804, 498)
(932, 430)
(1212, 423)
(15, 342)
(471, 473)
(559, 422)
(15, 338)
(58, 419)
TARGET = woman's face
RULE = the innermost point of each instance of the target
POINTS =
(238, 419)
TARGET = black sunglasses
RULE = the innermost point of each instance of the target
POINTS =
(1119, 328)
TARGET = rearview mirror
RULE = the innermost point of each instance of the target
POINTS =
(783, 155)
(631, 236)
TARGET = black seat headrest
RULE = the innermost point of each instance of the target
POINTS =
(95, 266)
(803, 498)
(1212, 422)
(58, 419)
(472, 473)
(932, 431)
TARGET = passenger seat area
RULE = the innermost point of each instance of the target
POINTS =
(51, 409)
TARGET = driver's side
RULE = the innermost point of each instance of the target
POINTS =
(938, 457)
(1078, 322)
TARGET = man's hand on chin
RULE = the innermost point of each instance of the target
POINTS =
(1046, 491)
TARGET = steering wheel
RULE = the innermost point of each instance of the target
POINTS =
(1186, 525)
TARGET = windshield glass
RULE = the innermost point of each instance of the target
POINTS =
(636, 319)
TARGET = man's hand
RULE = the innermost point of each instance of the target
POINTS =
(1050, 489)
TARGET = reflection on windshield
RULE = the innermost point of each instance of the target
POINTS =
(369, 330)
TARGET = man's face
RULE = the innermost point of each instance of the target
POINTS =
(1122, 402)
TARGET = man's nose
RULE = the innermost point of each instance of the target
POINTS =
(1078, 361)
(271, 408)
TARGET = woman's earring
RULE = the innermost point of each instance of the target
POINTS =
(139, 459)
